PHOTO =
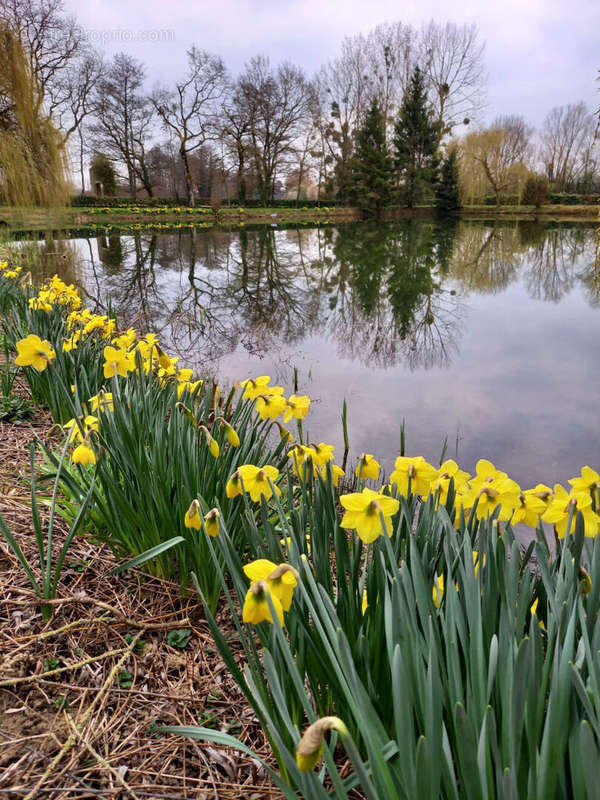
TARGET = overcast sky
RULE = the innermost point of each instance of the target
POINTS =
(539, 53)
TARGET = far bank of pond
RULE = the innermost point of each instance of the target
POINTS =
(28, 219)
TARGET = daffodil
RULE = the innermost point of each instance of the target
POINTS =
(83, 454)
(117, 362)
(564, 504)
(103, 401)
(281, 579)
(212, 522)
(449, 471)
(365, 603)
(323, 453)
(531, 507)
(270, 406)
(303, 459)
(367, 467)
(363, 513)
(253, 387)
(502, 492)
(297, 407)
(255, 482)
(420, 473)
(486, 473)
(438, 591)
(589, 480)
(336, 474)
(192, 517)
(34, 352)
(88, 423)
(310, 747)
(256, 606)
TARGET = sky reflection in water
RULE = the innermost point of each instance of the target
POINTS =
(485, 334)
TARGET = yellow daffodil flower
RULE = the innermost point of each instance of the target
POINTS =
(302, 456)
(256, 607)
(297, 407)
(102, 401)
(447, 472)
(589, 480)
(117, 362)
(34, 352)
(270, 407)
(281, 579)
(420, 472)
(367, 467)
(323, 453)
(563, 503)
(83, 454)
(486, 472)
(253, 387)
(502, 492)
(336, 474)
(255, 481)
(363, 513)
(531, 507)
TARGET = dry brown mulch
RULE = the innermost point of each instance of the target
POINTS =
(81, 696)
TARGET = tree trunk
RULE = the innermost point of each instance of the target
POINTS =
(189, 183)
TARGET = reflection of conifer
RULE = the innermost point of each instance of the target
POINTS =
(416, 141)
(446, 192)
(370, 179)
(445, 235)
(410, 278)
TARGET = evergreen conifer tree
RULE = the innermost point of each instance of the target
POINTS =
(416, 141)
(446, 192)
(371, 167)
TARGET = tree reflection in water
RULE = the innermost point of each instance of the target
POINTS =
(387, 293)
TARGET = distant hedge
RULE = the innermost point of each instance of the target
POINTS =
(554, 198)
(91, 201)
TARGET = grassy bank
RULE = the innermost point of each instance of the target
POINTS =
(21, 219)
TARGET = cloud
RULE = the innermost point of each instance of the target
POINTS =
(538, 54)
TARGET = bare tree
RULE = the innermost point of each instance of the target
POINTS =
(123, 118)
(275, 104)
(567, 136)
(452, 57)
(189, 111)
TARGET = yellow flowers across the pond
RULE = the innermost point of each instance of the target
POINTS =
(364, 513)
(34, 352)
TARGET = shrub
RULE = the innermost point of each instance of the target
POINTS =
(535, 191)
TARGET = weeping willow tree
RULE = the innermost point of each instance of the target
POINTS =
(32, 161)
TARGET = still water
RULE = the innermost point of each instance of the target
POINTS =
(487, 334)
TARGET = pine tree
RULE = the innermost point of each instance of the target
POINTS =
(371, 168)
(416, 141)
(446, 192)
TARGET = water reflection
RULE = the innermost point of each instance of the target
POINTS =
(484, 329)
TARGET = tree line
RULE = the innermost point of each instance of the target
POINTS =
(391, 119)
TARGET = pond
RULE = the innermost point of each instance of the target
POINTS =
(486, 335)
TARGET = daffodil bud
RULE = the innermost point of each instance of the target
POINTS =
(186, 412)
(232, 436)
(585, 580)
(310, 747)
(192, 517)
(212, 522)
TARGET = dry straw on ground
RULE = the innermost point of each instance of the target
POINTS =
(81, 696)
